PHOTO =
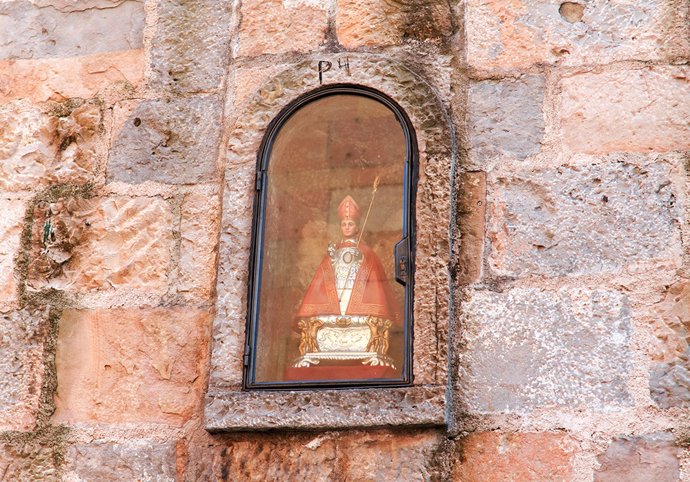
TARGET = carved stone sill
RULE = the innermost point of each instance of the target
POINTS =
(231, 410)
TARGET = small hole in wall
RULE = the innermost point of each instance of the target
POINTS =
(572, 12)
(137, 122)
(559, 51)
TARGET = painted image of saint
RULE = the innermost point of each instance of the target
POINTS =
(349, 306)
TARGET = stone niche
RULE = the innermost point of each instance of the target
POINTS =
(425, 403)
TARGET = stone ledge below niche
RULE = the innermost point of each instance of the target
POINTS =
(233, 410)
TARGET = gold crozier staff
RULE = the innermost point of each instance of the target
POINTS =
(361, 231)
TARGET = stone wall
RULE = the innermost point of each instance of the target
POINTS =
(567, 314)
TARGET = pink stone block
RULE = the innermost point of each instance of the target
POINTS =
(494, 456)
(636, 110)
(131, 365)
(274, 27)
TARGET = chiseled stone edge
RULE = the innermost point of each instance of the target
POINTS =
(234, 410)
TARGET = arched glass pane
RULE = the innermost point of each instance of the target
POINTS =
(328, 306)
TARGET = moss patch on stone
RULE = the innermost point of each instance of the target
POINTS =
(64, 108)
(38, 455)
(48, 195)
(41, 453)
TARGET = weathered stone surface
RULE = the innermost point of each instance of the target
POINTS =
(141, 460)
(505, 118)
(253, 457)
(528, 348)
(324, 456)
(130, 365)
(495, 456)
(38, 148)
(372, 23)
(102, 243)
(230, 410)
(27, 145)
(640, 110)
(68, 6)
(11, 223)
(36, 31)
(235, 240)
(583, 218)
(471, 214)
(249, 80)
(639, 459)
(199, 226)
(669, 381)
(398, 456)
(274, 27)
(32, 456)
(507, 34)
(84, 77)
(190, 48)
(173, 141)
(21, 367)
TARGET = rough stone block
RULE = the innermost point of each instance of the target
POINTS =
(235, 240)
(38, 148)
(275, 26)
(265, 458)
(11, 224)
(505, 118)
(83, 77)
(32, 456)
(322, 456)
(507, 34)
(373, 23)
(102, 243)
(199, 227)
(172, 141)
(640, 110)
(141, 460)
(471, 214)
(669, 381)
(190, 47)
(28, 147)
(249, 80)
(526, 348)
(403, 456)
(639, 459)
(22, 335)
(130, 365)
(233, 410)
(583, 218)
(68, 29)
(495, 456)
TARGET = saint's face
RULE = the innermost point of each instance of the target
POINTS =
(348, 227)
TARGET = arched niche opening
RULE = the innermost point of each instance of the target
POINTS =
(331, 270)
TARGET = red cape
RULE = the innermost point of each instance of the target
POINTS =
(371, 293)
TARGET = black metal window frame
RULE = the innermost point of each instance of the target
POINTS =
(404, 250)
